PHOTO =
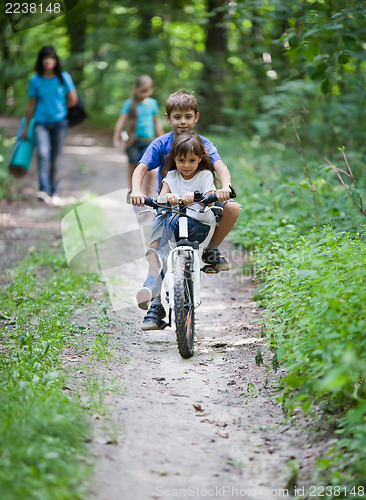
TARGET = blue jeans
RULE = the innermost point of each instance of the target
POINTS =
(196, 232)
(50, 138)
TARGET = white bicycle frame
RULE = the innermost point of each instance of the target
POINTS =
(196, 271)
(188, 251)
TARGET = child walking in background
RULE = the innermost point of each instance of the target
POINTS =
(187, 169)
(141, 112)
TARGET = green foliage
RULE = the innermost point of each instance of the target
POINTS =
(42, 431)
(254, 65)
(312, 282)
(317, 322)
(6, 181)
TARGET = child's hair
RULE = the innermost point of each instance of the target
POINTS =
(42, 54)
(188, 142)
(182, 101)
(142, 81)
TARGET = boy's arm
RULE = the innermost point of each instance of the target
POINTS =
(223, 194)
(137, 196)
(118, 129)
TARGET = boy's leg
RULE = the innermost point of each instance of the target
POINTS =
(152, 290)
(211, 254)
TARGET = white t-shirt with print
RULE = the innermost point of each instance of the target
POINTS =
(203, 182)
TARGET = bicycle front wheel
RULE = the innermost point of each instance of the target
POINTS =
(184, 306)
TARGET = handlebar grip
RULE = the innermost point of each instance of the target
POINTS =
(209, 198)
(150, 202)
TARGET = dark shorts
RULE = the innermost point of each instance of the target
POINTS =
(136, 150)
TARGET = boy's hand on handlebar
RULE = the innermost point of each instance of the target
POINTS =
(223, 194)
(137, 198)
(173, 198)
(188, 198)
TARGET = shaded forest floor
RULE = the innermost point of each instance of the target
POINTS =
(207, 426)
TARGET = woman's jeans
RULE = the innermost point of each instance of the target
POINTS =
(196, 232)
(50, 138)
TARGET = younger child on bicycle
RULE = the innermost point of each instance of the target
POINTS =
(187, 169)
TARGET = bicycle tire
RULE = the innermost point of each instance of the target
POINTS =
(184, 312)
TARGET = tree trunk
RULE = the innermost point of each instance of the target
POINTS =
(212, 91)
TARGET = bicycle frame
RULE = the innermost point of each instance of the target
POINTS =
(190, 251)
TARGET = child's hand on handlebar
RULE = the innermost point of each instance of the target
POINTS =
(173, 198)
(137, 198)
(188, 198)
(223, 194)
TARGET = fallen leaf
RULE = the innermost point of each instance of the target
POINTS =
(223, 434)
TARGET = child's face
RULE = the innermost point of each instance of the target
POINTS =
(187, 165)
(143, 92)
(182, 121)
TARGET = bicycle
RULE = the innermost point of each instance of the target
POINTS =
(183, 269)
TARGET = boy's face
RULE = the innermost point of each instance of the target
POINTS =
(182, 121)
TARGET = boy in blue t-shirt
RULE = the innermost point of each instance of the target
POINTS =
(182, 114)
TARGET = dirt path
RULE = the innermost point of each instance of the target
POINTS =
(209, 426)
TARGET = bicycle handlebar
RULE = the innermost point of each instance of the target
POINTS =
(158, 201)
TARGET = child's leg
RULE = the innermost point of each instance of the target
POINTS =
(227, 221)
(152, 289)
(211, 254)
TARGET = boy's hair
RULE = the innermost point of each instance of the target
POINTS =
(188, 142)
(182, 101)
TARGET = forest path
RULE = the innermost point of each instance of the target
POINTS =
(206, 426)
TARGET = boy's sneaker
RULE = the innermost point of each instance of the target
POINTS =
(154, 262)
(143, 298)
(153, 317)
(215, 259)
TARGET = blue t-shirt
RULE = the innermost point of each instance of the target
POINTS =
(146, 111)
(154, 156)
(50, 96)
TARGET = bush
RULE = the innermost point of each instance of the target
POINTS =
(317, 322)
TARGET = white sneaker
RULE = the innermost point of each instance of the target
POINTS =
(43, 196)
(143, 298)
(56, 200)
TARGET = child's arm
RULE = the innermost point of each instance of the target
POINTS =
(223, 194)
(158, 126)
(137, 196)
(118, 129)
(173, 198)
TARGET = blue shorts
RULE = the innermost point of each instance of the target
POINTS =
(137, 149)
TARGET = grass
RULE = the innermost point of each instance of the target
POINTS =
(43, 429)
(306, 234)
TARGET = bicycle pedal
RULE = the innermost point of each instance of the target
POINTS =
(162, 325)
(209, 269)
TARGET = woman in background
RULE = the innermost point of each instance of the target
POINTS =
(51, 92)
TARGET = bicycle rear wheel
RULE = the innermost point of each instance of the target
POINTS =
(184, 306)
